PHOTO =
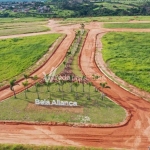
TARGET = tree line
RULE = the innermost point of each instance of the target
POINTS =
(86, 9)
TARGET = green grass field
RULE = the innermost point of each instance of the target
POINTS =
(100, 111)
(22, 27)
(127, 55)
(34, 147)
(18, 54)
(26, 19)
(127, 25)
(108, 19)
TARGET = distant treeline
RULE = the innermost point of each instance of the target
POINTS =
(85, 9)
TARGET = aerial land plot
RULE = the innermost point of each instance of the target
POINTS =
(90, 104)
(128, 25)
(18, 54)
(109, 19)
(127, 55)
(8, 28)
(24, 19)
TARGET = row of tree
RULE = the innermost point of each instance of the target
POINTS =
(60, 83)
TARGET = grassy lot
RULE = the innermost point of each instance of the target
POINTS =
(18, 54)
(127, 55)
(90, 102)
(27, 19)
(34, 147)
(128, 25)
(108, 19)
(11, 26)
(74, 65)
(113, 6)
(22, 27)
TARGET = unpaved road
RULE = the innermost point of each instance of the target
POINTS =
(133, 135)
(52, 63)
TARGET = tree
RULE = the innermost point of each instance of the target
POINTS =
(103, 85)
(37, 84)
(64, 63)
(25, 84)
(62, 82)
(76, 84)
(89, 84)
(95, 77)
(48, 84)
(82, 25)
(71, 81)
(12, 84)
(35, 78)
(58, 83)
(26, 76)
(83, 79)
(68, 54)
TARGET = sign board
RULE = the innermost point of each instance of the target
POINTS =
(55, 103)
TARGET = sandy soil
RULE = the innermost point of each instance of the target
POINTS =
(133, 135)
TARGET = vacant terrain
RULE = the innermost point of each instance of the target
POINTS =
(133, 134)
(28, 49)
(12, 26)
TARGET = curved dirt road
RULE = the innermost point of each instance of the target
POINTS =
(134, 135)
(53, 62)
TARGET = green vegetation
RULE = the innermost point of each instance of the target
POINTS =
(18, 54)
(108, 19)
(34, 147)
(24, 19)
(114, 6)
(74, 65)
(22, 27)
(127, 55)
(65, 9)
(128, 25)
(90, 102)
(103, 8)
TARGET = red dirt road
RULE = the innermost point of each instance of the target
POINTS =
(53, 62)
(133, 135)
